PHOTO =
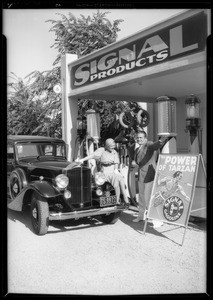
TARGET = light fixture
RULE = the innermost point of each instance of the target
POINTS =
(192, 114)
(193, 121)
(57, 88)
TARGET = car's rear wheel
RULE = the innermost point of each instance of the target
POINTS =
(39, 214)
(111, 219)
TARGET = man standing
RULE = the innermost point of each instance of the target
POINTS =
(145, 158)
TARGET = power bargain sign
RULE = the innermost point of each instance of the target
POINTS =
(182, 38)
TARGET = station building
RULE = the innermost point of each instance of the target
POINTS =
(166, 59)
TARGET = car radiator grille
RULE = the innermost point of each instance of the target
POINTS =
(80, 177)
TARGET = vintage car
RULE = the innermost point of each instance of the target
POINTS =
(40, 176)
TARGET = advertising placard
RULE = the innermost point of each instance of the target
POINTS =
(173, 188)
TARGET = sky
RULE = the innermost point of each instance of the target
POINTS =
(29, 40)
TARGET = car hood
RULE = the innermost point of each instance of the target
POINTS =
(50, 164)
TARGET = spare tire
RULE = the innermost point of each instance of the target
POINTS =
(143, 118)
(131, 122)
(15, 185)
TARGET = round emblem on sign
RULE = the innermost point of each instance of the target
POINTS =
(173, 208)
(57, 88)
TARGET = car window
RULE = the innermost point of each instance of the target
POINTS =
(27, 150)
(10, 152)
(37, 149)
(48, 150)
(53, 149)
(60, 150)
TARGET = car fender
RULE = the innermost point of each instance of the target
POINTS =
(43, 188)
(22, 176)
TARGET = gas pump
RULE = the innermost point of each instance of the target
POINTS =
(121, 142)
(167, 122)
(88, 135)
(81, 133)
(93, 135)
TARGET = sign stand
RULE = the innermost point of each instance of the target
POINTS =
(173, 191)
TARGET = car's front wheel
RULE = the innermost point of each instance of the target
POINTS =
(39, 214)
(111, 219)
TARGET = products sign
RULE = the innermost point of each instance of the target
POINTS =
(182, 38)
(173, 188)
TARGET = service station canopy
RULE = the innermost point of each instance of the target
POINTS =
(166, 59)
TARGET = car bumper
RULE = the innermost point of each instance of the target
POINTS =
(84, 213)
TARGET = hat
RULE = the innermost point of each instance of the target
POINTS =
(110, 143)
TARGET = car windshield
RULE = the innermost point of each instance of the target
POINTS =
(40, 149)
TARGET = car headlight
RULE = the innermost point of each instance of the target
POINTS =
(62, 181)
(99, 192)
(100, 178)
(67, 194)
